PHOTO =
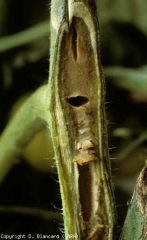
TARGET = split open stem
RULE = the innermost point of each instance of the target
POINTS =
(77, 121)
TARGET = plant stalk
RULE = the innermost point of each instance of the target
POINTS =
(77, 121)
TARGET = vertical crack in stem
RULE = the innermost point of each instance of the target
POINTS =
(78, 124)
(74, 44)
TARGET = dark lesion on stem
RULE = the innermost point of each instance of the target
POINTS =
(80, 96)
(77, 101)
(74, 44)
(78, 79)
(85, 199)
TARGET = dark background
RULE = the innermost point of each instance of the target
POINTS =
(123, 36)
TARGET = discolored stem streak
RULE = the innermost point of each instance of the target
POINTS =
(77, 120)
